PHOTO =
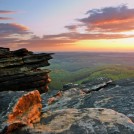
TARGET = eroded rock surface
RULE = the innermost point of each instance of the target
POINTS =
(18, 109)
(23, 70)
(82, 121)
(116, 95)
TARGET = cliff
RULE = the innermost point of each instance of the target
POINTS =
(23, 70)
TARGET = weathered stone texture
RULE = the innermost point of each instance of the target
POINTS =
(21, 70)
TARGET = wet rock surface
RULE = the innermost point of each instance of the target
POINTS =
(21, 70)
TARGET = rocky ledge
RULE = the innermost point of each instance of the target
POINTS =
(23, 70)
(96, 107)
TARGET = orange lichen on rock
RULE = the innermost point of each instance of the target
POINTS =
(27, 110)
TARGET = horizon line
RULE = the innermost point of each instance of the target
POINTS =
(84, 52)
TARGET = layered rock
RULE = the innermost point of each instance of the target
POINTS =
(82, 121)
(23, 70)
(19, 109)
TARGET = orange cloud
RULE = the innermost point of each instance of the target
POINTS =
(65, 41)
(110, 19)
(57, 41)
(113, 26)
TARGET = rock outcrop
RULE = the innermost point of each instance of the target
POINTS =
(82, 121)
(23, 70)
(116, 95)
(19, 109)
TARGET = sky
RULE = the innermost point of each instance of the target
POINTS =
(67, 25)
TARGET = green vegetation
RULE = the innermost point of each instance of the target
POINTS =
(60, 77)
(79, 67)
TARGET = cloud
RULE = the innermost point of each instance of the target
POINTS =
(110, 19)
(7, 12)
(55, 41)
(74, 36)
(48, 41)
(12, 28)
(12, 34)
(66, 39)
(106, 23)
(59, 40)
(7, 41)
(72, 28)
(5, 18)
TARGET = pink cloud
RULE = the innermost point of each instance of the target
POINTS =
(7, 12)
(110, 19)
(5, 18)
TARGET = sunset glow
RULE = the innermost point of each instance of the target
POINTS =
(67, 25)
(118, 45)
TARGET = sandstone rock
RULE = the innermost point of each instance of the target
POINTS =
(117, 96)
(21, 70)
(82, 121)
(18, 109)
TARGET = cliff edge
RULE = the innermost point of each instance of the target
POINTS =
(23, 70)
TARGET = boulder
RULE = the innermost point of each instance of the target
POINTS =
(19, 109)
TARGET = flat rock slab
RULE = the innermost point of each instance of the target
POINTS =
(82, 121)
(119, 97)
